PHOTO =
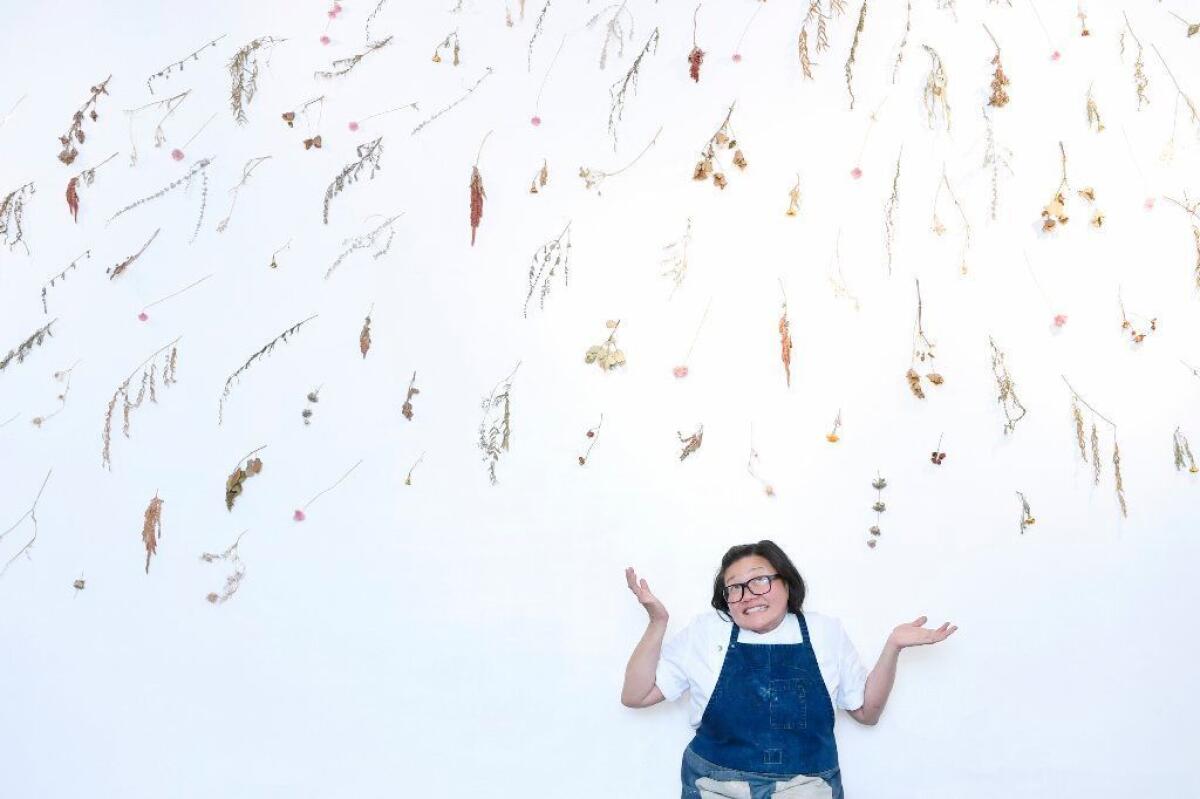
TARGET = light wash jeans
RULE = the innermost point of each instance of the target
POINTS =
(705, 780)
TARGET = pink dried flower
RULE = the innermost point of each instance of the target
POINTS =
(856, 173)
(298, 515)
(737, 58)
(324, 39)
(537, 120)
(1055, 55)
(143, 316)
(680, 371)
(1060, 319)
(353, 126)
(177, 154)
(1149, 204)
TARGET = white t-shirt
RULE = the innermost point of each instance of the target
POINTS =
(691, 659)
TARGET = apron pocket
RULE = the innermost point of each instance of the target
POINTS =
(788, 705)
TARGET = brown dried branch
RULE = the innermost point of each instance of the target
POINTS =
(785, 340)
(723, 138)
(61, 276)
(1186, 99)
(86, 178)
(543, 265)
(243, 72)
(408, 477)
(152, 528)
(62, 376)
(477, 193)
(696, 56)
(12, 216)
(342, 66)
(450, 42)
(234, 483)
(247, 170)
(999, 97)
(862, 19)
(495, 430)
(407, 408)
(540, 178)
(147, 387)
(889, 214)
(594, 178)
(935, 95)
(74, 134)
(234, 580)
(299, 514)
(1140, 81)
(197, 167)
(1183, 452)
(166, 71)
(264, 351)
(468, 93)
(30, 514)
(120, 268)
(690, 443)
(25, 347)
(1014, 411)
(368, 155)
(619, 91)
(903, 42)
(593, 435)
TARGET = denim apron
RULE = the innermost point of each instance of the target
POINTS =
(768, 726)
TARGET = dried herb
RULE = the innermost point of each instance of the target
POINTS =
(862, 20)
(794, 198)
(592, 435)
(143, 316)
(725, 139)
(923, 351)
(681, 371)
(832, 436)
(879, 483)
(1054, 213)
(364, 337)
(818, 18)
(147, 382)
(495, 430)
(903, 42)
(368, 156)
(62, 376)
(152, 528)
(408, 477)
(1140, 81)
(1093, 112)
(61, 276)
(342, 66)
(889, 212)
(477, 193)
(935, 96)
(614, 30)
(544, 264)
(995, 157)
(1077, 419)
(243, 73)
(619, 92)
(540, 178)
(999, 97)
(785, 340)
(264, 351)
(1193, 210)
(537, 31)
(30, 514)
(1014, 411)
(1026, 514)
(451, 43)
(312, 398)
(468, 93)
(696, 56)
(166, 71)
(85, 178)
(690, 443)
(235, 482)
(12, 216)
(171, 104)
(300, 513)
(74, 134)
(1135, 334)
(25, 347)
(675, 258)
(196, 168)
(1183, 452)
(594, 178)
(937, 456)
(407, 408)
(234, 580)
(120, 268)
(247, 170)
(366, 241)
(606, 354)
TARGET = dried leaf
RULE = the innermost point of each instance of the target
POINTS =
(73, 197)
(364, 338)
(152, 528)
(477, 196)
(695, 59)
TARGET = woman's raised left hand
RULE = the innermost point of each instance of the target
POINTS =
(914, 634)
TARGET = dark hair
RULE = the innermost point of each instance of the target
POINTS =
(780, 562)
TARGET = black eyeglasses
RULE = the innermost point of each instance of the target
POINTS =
(758, 586)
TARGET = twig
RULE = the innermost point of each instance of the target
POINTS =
(30, 514)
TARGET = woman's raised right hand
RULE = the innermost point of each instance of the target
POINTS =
(641, 589)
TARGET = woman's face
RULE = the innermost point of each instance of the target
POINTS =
(757, 613)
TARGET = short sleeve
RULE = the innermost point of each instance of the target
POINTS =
(671, 674)
(852, 676)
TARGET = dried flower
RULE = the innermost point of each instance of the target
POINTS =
(234, 483)
(690, 443)
(74, 134)
(606, 354)
(152, 528)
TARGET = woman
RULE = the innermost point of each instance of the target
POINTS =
(764, 678)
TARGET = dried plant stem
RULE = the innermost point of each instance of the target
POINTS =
(12, 216)
(1186, 99)
(1026, 514)
(87, 177)
(468, 93)
(146, 387)
(166, 71)
(30, 514)
(619, 91)
(61, 276)
(903, 42)
(495, 430)
(368, 154)
(243, 73)
(342, 66)
(257, 356)
(862, 19)
(120, 268)
(174, 294)
(1014, 411)
(543, 265)
(25, 347)
(362, 242)
(247, 171)
(408, 477)
(785, 339)
(1140, 81)
(232, 581)
(889, 215)
(74, 134)
(199, 166)
(935, 95)
(594, 178)
(537, 31)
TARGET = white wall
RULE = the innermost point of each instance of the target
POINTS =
(454, 638)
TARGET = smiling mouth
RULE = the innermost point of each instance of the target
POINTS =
(755, 609)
